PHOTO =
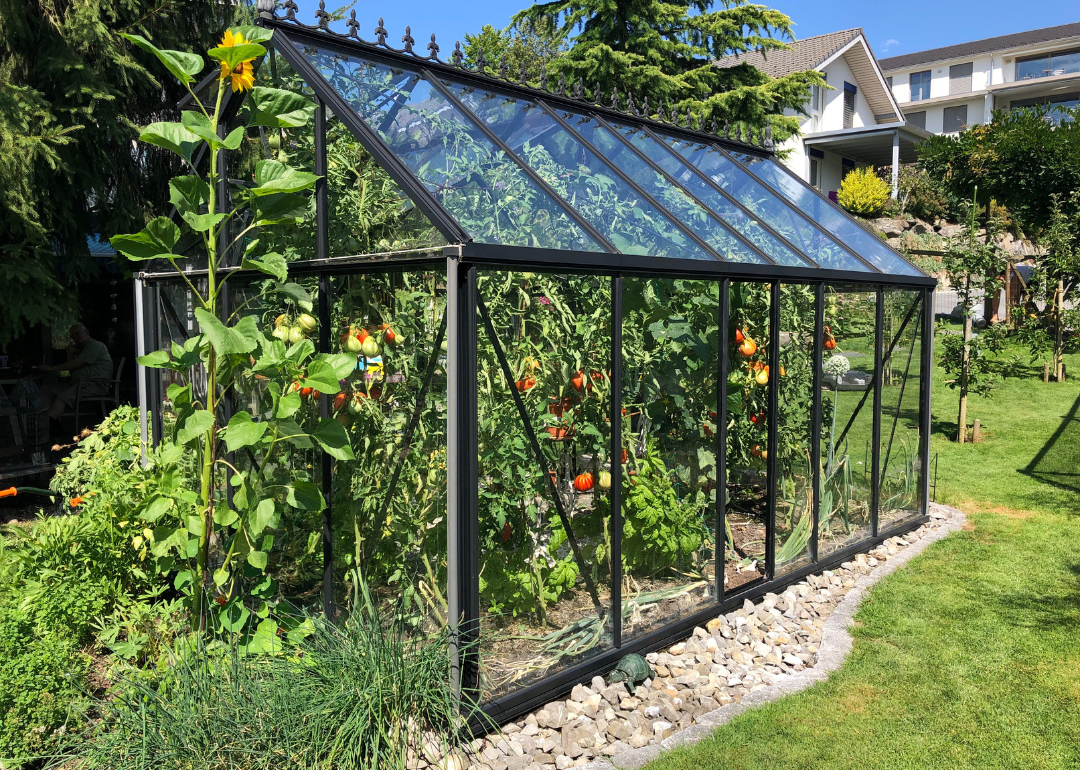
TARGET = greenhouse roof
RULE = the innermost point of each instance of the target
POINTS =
(515, 172)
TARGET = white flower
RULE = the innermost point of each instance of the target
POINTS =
(837, 365)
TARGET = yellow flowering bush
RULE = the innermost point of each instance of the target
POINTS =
(863, 192)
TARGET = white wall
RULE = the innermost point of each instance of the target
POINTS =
(832, 118)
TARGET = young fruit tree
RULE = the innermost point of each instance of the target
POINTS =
(216, 543)
(973, 268)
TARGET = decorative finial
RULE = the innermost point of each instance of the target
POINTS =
(481, 62)
(614, 100)
(322, 15)
(353, 25)
(290, 10)
(645, 111)
(660, 114)
(630, 103)
(266, 8)
(562, 84)
(407, 39)
(597, 95)
(523, 73)
(579, 89)
(713, 128)
(457, 57)
(381, 33)
(768, 133)
(504, 69)
(543, 80)
(738, 132)
(727, 129)
(433, 48)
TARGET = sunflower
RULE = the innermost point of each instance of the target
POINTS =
(243, 74)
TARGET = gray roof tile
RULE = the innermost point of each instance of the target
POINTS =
(976, 47)
(803, 55)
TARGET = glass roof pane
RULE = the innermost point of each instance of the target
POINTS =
(682, 173)
(683, 208)
(488, 194)
(774, 212)
(561, 160)
(865, 243)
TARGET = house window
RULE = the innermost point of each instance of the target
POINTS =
(960, 78)
(815, 171)
(920, 85)
(1045, 65)
(849, 105)
(917, 119)
(1055, 103)
(817, 98)
(955, 119)
(846, 167)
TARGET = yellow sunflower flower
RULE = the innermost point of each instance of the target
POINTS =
(243, 74)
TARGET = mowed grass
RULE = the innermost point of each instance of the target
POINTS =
(969, 657)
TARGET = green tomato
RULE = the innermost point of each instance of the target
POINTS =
(295, 334)
(370, 348)
(352, 344)
(281, 333)
(307, 322)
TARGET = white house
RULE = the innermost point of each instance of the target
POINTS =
(854, 122)
(946, 89)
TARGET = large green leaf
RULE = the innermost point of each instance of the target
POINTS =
(273, 177)
(264, 516)
(242, 431)
(155, 240)
(158, 359)
(229, 340)
(323, 377)
(306, 496)
(167, 538)
(331, 436)
(279, 208)
(184, 66)
(296, 293)
(194, 425)
(343, 363)
(236, 54)
(251, 33)
(272, 264)
(173, 137)
(276, 108)
(189, 194)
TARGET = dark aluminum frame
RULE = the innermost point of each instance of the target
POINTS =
(465, 314)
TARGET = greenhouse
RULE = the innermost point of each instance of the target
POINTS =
(616, 371)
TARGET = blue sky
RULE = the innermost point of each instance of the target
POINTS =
(891, 27)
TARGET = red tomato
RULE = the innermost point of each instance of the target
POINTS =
(583, 482)
(830, 344)
(748, 347)
(624, 457)
(306, 392)
(707, 428)
(339, 400)
(578, 381)
(505, 532)
(525, 384)
(362, 335)
(739, 337)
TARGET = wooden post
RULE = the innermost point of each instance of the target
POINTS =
(1046, 371)
(976, 428)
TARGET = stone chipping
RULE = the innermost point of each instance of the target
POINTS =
(781, 643)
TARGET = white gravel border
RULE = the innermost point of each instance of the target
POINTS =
(836, 643)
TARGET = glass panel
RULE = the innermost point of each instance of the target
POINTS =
(748, 435)
(847, 230)
(757, 198)
(683, 208)
(176, 324)
(704, 192)
(900, 496)
(847, 416)
(610, 205)
(1033, 68)
(669, 393)
(794, 483)
(389, 504)
(545, 574)
(488, 194)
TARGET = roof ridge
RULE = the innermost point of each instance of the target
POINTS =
(980, 45)
(267, 9)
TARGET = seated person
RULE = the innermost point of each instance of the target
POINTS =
(88, 359)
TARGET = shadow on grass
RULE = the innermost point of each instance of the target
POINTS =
(1058, 461)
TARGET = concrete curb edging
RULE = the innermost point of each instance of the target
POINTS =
(836, 643)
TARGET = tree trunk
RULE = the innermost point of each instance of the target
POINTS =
(1059, 336)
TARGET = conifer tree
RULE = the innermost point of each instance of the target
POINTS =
(664, 52)
(72, 97)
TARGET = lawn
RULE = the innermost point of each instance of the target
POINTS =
(969, 657)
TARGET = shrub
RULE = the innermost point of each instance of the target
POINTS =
(361, 694)
(863, 192)
(40, 678)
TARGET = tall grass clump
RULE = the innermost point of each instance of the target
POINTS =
(362, 693)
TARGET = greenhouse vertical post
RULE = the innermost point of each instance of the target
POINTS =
(140, 370)
(816, 417)
(774, 426)
(454, 579)
(322, 252)
(926, 376)
(615, 460)
(721, 440)
(875, 439)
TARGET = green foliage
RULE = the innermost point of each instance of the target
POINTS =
(360, 694)
(863, 192)
(40, 677)
(664, 52)
(528, 46)
(921, 195)
(71, 95)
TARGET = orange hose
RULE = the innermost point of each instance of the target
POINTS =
(9, 492)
